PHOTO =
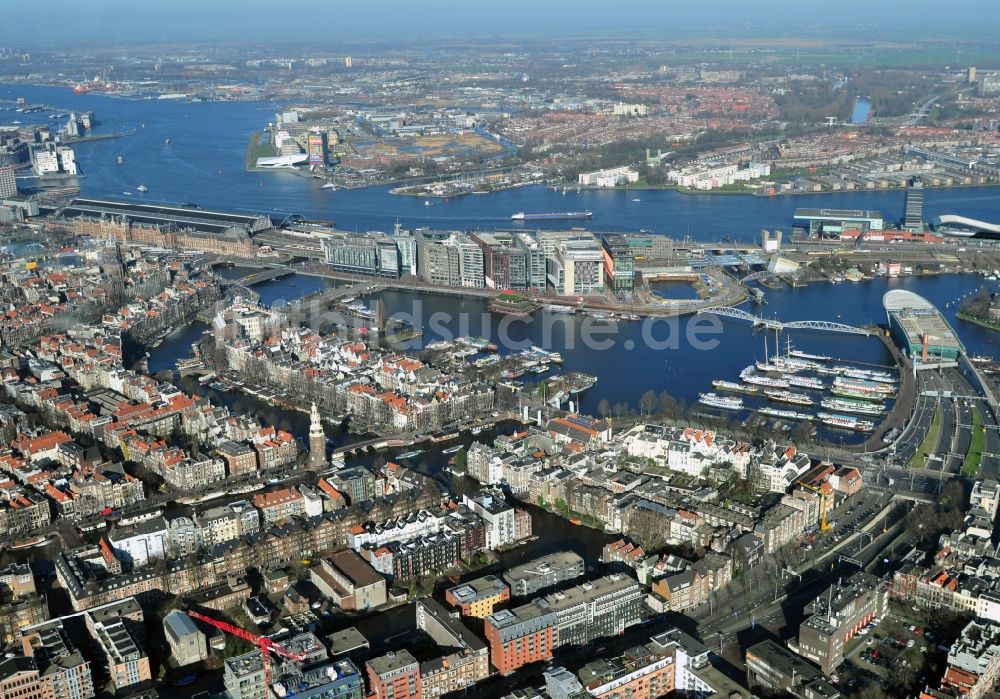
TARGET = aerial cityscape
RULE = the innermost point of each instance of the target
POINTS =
(538, 350)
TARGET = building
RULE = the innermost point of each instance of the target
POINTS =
(520, 636)
(602, 607)
(395, 675)
(528, 579)
(560, 683)
(479, 597)
(350, 643)
(913, 209)
(466, 660)
(127, 665)
(372, 254)
(985, 495)
(22, 678)
(830, 223)
(8, 182)
(499, 517)
(612, 177)
(919, 328)
(348, 580)
(140, 544)
(239, 457)
(778, 670)
(642, 672)
(837, 616)
(619, 263)
(951, 225)
(974, 660)
(187, 643)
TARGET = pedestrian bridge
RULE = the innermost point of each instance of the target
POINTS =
(775, 324)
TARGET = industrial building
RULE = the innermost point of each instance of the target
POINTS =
(777, 669)
(919, 328)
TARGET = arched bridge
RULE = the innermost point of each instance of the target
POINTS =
(774, 324)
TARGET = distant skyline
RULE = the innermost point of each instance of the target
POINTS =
(121, 21)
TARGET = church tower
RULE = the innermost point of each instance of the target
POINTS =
(317, 440)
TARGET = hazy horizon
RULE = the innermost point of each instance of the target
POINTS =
(124, 21)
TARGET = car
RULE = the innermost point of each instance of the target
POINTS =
(910, 643)
(863, 632)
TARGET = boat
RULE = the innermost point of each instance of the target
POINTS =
(127, 194)
(845, 392)
(733, 387)
(810, 382)
(121, 159)
(846, 422)
(452, 450)
(870, 375)
(555, 216)
(574, 520)
(845, 405)
(864, 385)
(427, 202)
(637, 199)
(785, 414)
(554, 308)
(788, 397)
(409, 454)
(765, 381)
(548, 355)
(714, 400)
(329, 185)
(30, 543)
(142, 188)
(805, 355)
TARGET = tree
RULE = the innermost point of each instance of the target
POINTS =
(648, 402)
(604, 407)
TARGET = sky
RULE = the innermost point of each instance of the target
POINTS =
(25, 21)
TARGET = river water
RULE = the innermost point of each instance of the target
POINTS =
(203, 163)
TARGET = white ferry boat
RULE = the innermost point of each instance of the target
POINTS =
(716, 401)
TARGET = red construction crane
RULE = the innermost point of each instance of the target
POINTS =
(263, 643)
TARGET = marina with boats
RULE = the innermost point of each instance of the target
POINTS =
(852, 401)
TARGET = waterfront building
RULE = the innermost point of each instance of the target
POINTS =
(837, 615)
(395, 675)
(830, 223)
(577, 268)
(619, 263)
(372, 254)
(505, 261)
(499, 517)
(535, 576)
(415, 558)
(913, 210)
(611, 177)
(437, 261)
(470, 261)
(479, 597)
(140, 544)
(239, 457)
(407, 246)
(919, 328)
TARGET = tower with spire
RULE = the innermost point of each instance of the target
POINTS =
(317, 440)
